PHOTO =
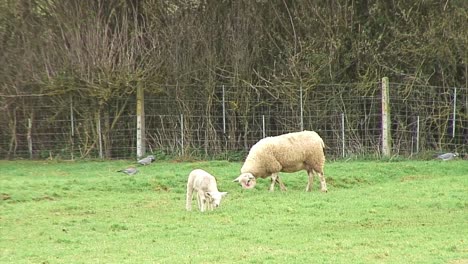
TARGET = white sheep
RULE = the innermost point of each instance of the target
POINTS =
(285, 153)
(205, 185)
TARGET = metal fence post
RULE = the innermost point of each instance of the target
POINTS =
(224, 113)
(72, 118)
(417, 135)
(343, 134)
(302, 108)
(182, 134)
(263, 126)
(454, 111)
(72, 127)
(29, 137)
(98, 129)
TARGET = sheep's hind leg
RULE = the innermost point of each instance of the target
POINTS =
(188, 201)
(310, 182)
(323, 183)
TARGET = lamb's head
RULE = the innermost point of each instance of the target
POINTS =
(246, 180)
(215, 197)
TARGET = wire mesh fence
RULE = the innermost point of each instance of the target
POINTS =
(225, 121)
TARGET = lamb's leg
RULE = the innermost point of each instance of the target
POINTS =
(207, 202)
(201, 205)
(210, 202)
(310, 182)
(203, 201)
(209, 205)
(280, 182)
(323, 184)
(188, 201)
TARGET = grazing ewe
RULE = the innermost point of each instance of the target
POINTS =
(147, 160)
(285, 153)
(205, 185)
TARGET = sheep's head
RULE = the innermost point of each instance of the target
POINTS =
(246, 180)
(215, 197)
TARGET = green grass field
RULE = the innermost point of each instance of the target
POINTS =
(374, 212)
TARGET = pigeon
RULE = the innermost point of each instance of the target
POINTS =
(129, 171)
(146, 161)
(447, 156)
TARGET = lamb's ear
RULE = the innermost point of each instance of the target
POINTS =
(237, 179)
(223, 193)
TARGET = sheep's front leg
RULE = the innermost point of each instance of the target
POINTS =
(323, 184)
(209, 205)
(310, 182)
(274, 176)
(201, 201)
(280, 182)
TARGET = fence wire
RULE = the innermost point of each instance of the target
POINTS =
(224, 121)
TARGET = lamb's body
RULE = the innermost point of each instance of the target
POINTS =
(286, 153)
(204, 184)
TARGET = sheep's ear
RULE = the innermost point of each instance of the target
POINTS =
(237, 179)
(223, 193)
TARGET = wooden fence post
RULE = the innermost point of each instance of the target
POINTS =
(140, 111)
(386, 124)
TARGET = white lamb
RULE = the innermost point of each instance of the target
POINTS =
(285, 153)
(205, 185)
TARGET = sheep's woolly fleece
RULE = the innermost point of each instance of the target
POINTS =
(285, 153)
(205, 186)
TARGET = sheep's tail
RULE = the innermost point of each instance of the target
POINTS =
(322, 143)
(320, 139)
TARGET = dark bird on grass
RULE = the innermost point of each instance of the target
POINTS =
(147, 160)
(129, 171)
(447, 156)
